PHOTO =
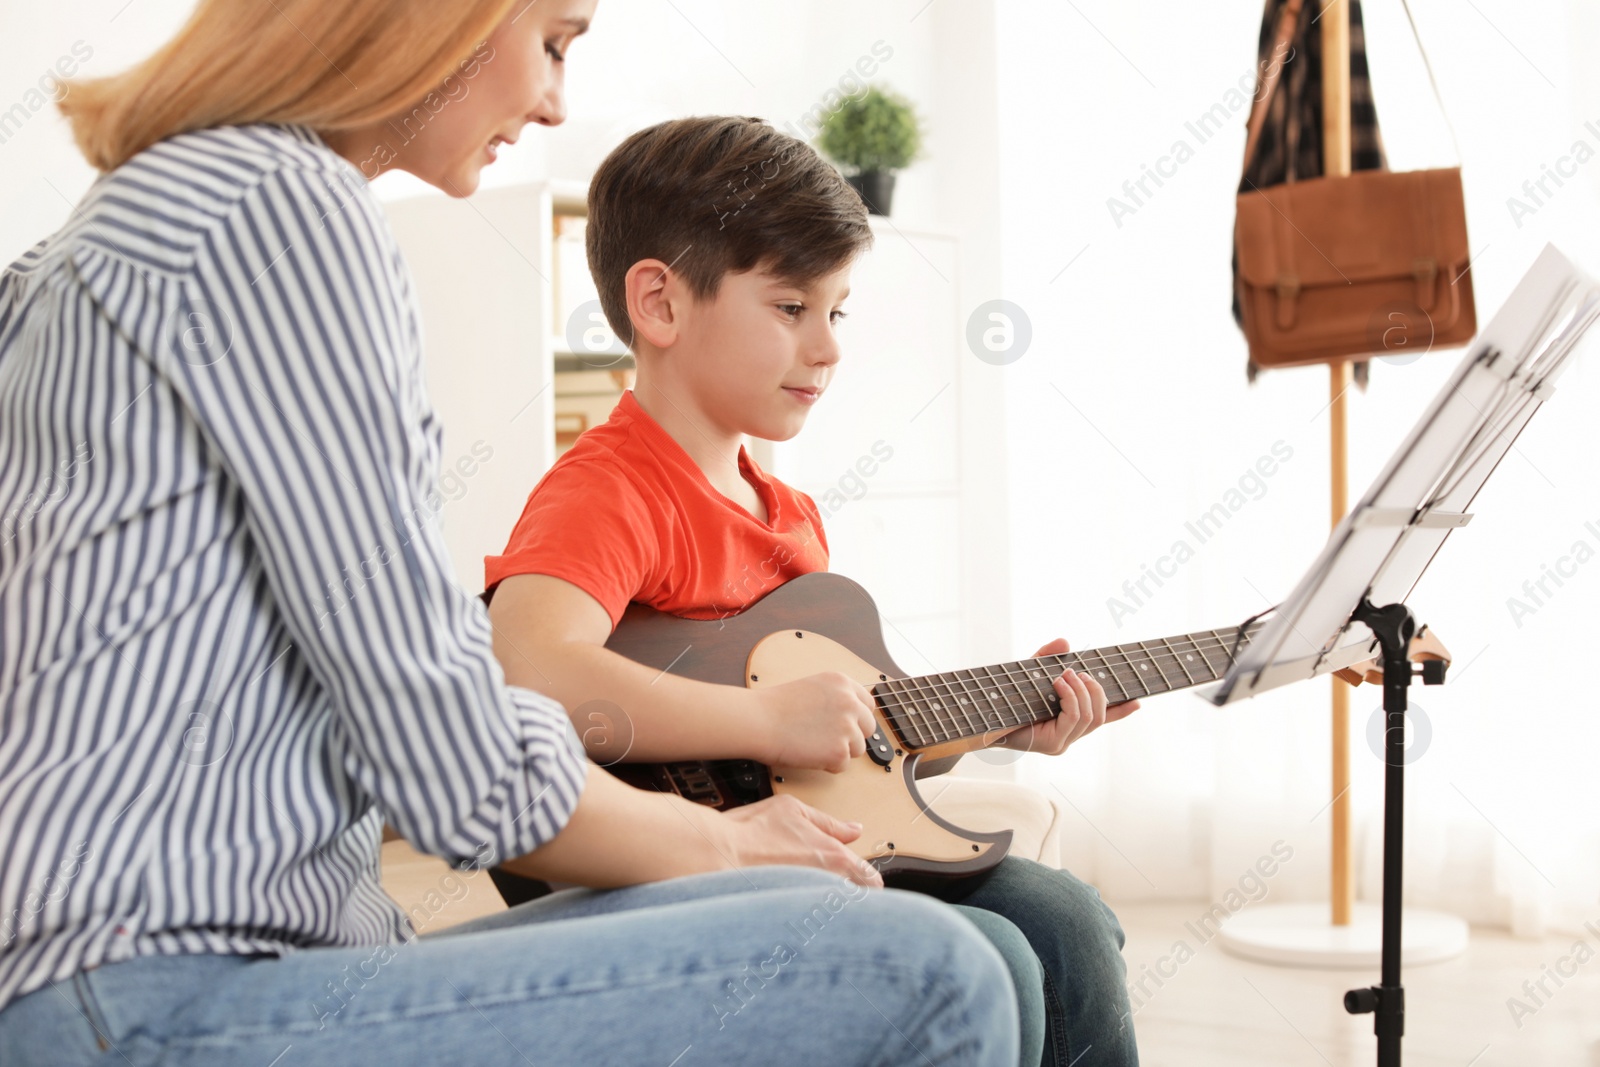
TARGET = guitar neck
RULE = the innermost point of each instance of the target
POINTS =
(932, 709)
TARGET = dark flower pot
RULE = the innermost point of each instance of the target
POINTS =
(876, 188)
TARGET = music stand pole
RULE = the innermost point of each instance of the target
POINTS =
(1394, 627)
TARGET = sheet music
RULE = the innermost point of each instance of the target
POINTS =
(1381, 548)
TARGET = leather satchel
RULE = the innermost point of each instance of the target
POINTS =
(1340, 268)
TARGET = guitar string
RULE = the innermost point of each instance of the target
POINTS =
(908, 690)
(905, 702)
(1210, 642)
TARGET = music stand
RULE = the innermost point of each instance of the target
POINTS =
(1352, 600)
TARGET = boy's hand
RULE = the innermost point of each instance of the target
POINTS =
(820, 721)
(1083, 710)
(782, 829)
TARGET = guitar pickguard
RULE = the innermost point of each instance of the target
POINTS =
(901, 835)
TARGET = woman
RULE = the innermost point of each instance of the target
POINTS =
(230, 648)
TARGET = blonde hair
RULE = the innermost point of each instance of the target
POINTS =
(325, 64)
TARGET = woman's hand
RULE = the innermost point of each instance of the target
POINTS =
(1083, 710)
(782, 829)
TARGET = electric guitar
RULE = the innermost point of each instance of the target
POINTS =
(825, 622)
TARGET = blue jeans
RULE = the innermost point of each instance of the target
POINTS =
(771, 965)
(1078, 940)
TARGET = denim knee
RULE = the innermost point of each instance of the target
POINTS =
(948, 950)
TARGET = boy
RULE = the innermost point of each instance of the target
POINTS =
(722, 250)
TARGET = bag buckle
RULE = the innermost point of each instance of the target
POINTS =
(1288, 293)
(1426, 273)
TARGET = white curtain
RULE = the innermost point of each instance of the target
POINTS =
(1129, 417)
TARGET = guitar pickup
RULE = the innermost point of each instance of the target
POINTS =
(879, 749)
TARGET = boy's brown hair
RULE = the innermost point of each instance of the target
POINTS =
(710, 195)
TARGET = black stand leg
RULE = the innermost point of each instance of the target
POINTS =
(1394, 627)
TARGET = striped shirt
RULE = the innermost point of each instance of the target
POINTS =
(230, 643)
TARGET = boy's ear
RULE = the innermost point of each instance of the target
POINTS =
(654, 302)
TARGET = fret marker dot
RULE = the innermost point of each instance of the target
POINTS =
(1144, 666)
(1188, 655)
(993, 694)
(1100, 674)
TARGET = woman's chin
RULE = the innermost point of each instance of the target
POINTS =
(459, 181)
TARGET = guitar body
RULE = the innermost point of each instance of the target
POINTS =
(817, 622)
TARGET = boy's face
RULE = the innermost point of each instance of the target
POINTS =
(757, 356)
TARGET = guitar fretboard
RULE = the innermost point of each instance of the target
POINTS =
(935, 708)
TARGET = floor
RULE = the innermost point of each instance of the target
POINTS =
(1218, 1010)
(1221, 1010)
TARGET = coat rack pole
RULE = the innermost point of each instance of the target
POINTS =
(1335, 22)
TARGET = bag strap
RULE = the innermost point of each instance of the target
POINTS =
(1427, 66)
(1288, 18)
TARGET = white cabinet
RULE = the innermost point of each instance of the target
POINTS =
(483, 270)
(894, 524)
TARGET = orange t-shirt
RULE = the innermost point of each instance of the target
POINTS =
(627, 515)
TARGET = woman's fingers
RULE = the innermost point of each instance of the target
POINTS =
(828, 824)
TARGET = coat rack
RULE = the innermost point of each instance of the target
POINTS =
(1342, 935)
(1336, 162)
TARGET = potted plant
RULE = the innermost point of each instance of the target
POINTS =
(871, 137)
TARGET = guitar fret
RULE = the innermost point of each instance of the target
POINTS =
(991, 696)
(1102, 673)
(960, 720)
(980, 696)
(1165, 683)
(1118, 672)
(1020, 705)
(1229, 639)
(994, 718)
(928, 716)
(1224, 642)
(1188, 678)
(952, 720)
(1036, 670)
(905, 712)
(1168, 663)
(1134, 673)
(1021, 672)
(948, 706)
(963, 699)
(1210, 669)
(897, 722)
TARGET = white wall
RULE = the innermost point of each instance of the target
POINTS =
(41, 173)
(1137, 335)
(645, 61)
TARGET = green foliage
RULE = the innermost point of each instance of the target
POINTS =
(875, 131)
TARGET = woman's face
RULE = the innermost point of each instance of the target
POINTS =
(512, 79)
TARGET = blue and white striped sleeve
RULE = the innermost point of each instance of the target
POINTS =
(308, 387)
